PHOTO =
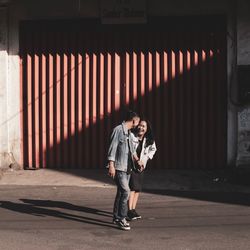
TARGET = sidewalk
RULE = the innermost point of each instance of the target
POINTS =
(194, 180)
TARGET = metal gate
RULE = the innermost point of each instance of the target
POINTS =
(78, 76)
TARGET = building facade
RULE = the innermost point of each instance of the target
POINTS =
(69, 69)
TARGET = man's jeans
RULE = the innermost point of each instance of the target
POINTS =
(121, 200)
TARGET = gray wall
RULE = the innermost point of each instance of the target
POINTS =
(243, 58)
(243, 34)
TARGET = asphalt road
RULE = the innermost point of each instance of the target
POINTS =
(71, 218)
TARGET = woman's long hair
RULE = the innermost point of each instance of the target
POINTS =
(148, 135)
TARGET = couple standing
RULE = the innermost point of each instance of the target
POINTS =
(127, 158)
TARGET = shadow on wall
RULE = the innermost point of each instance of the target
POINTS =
(79, 77)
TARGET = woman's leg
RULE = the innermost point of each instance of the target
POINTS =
(135, 199)
(131, 200)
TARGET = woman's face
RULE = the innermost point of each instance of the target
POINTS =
(142, 128)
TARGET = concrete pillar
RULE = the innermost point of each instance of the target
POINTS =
(232, 83)
(3, 86)
(10, 143)
(243, 58)
(13, 87)
(243, 38)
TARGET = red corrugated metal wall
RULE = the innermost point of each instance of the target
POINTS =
(77, 78)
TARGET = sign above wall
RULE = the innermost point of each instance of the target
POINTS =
(123, 11)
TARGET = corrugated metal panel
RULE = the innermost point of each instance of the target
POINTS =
(77, 79)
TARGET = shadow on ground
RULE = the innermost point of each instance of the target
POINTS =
(44, 208)
(236, 198)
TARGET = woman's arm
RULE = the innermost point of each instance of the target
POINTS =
(151, 151)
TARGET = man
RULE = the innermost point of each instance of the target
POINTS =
(120, 163)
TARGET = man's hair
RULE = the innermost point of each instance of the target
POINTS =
(130, 115)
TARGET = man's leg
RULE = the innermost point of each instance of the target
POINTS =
(116, 202)
(123, 186)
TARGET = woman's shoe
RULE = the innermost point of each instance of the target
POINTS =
(136, 215)
(131, 215)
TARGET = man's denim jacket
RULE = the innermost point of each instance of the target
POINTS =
(119, 149)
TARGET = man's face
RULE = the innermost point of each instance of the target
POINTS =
(136, 121)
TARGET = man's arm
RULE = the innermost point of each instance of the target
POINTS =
(111, 171)
(114, 139)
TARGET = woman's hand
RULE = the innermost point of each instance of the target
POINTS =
(141, 166)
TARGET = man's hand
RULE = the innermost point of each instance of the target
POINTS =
(111, 172)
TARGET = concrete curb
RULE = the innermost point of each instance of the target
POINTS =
(181, 180)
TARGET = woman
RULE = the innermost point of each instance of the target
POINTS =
(145, 149)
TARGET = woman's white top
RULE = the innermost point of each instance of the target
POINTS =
(146, 152)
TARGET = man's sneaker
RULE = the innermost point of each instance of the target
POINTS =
(131, 215)
(115, 221)
(123, 224)
(136, 215)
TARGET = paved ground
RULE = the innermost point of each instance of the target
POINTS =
(72, 218)
(70, 210)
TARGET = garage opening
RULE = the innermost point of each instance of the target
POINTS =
(78, 77)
